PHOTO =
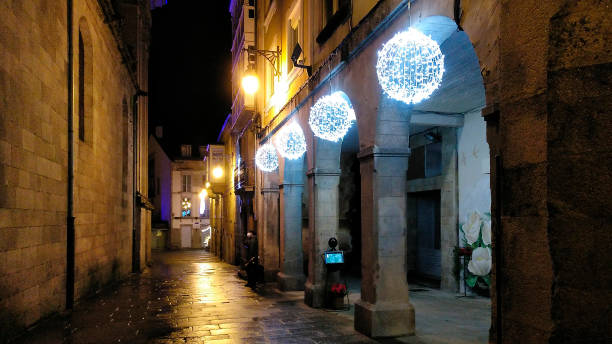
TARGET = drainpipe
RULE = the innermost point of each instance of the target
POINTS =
(70, 206)
(135, 197)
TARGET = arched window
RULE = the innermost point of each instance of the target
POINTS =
(85, 83)
(124, 148)
(81, 88)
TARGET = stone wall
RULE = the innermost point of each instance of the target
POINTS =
(103, 239)
(579, 161)
(33, 159)
(554, 184)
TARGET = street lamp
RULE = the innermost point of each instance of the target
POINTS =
(217, 172)
(250, 81)
(203, 193)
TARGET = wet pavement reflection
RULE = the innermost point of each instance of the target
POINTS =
(191, 297)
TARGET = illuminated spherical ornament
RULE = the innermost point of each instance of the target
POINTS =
(266, 158)
(291, 143)
(331, 117)
(410, 66)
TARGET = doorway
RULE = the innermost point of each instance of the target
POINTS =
(428, 257)
(186, 236)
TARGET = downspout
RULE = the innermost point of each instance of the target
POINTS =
(70, 197)
(135, 197)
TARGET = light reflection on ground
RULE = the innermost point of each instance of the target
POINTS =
(191, 297)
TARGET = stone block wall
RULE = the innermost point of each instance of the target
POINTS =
(33, 159)
(555, 62)
(579, 156)
(103, 233)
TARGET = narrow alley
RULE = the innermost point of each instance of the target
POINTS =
(389, 171)
(190, 296)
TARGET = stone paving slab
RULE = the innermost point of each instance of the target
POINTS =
(190, 297)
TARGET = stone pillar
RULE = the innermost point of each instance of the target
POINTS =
(291, 276)
(323, 180)
(213, 230)
(449, 209)
(384, 309)
(218, 228)
(269, 236)
(323, 225)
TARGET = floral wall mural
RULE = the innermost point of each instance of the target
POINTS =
(476, 243)
(474, 202)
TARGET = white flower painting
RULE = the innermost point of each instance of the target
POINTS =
(477, 237)
(486, 232)
(480, 264)
(471, 229)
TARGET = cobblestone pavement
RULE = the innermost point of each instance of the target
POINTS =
(190, 297)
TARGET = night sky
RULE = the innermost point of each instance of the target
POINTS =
(189, 77)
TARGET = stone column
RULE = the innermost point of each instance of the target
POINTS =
(323, 180)
(323, 225)
(213, 233)
(449, 209)
(269, 235)
(291, 275)
(384, 309)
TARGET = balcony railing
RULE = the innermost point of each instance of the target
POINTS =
(244, 175)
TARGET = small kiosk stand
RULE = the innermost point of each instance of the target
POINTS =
(335, 291)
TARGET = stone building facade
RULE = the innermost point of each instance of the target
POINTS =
(216, 186)
(540, 83)
(188, 180)
(182, 205)
(97, 175)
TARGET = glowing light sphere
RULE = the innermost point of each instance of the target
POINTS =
(410, 66)
(217, 172)
(331, 117)
(266, 158)
(291, 143)
(250, 84)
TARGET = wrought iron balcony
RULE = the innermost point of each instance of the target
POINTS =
(244, 176)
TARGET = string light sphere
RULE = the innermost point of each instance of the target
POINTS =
(410, 66)
(291, 143)
(266, 158)
(331, 117)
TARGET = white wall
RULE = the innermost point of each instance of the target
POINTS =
(473, 165)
